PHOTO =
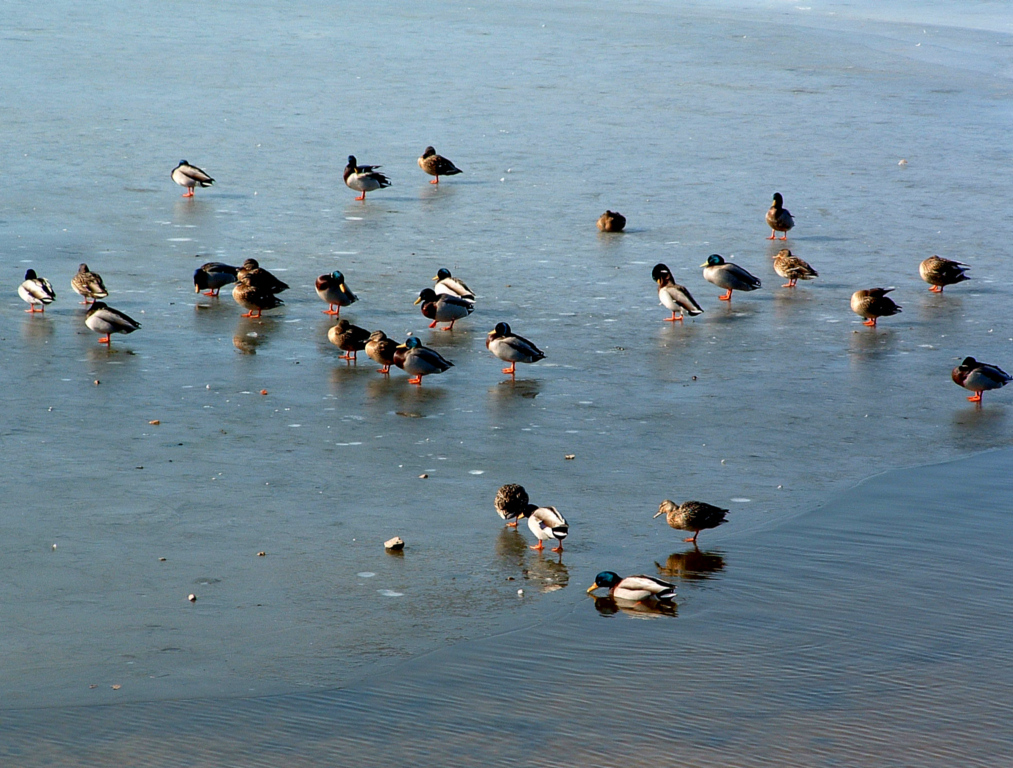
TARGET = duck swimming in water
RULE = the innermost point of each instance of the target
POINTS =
(634, 588)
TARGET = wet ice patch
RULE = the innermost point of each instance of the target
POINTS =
(390, 593)
(366, 575)
(740, 500)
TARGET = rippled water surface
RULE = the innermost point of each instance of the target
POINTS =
(814, 628)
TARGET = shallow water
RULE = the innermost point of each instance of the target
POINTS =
(684, 118)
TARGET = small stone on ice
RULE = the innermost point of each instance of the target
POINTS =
(262, 554)
(192, 598)
(570, 456)
(423, 476)
(155, 422)
(394, 545)
(161, 559)
(902, 162)
(520, 592)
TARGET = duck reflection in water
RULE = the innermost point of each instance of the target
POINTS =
(608, 606)
(517, 560)
(251, 334)
(692, 565)
(511, 389)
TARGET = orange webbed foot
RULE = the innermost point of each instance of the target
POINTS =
(975, 398)
(437, 181)
(870, 323)
(726, 297)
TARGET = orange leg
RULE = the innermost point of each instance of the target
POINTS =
(790, 283)
(348, 356)
(432, 324)
(871, 322)
(415, 380)
(559, 548)
(188, 194)
(448, 327)
(512, 370)
(86, 302)
(437, 181)
(783, 237)
(975, 398)
(539, 547)
(361, 197)
(936, 289)
(727, 296)
(385, 370)
(693, 537)
(773, 234)
(33, 310)
(332, 311)
(512, 525)
(674, 318)
(106, 340)
(250, 314)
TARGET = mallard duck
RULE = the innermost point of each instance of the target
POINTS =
(939, 272)
(260, 278)
(731, 277)
(381, 349)
(36, 290)
(104, 319)
(190, 176)
(254, 298)
(437, 165)
(611, 221)
(448, 285)
(512, 503)
(350, 338)
(978, 377)
(511, 348)
(792, 268)
(693, 516)
(364, 178)
(546, 523)
(443, 308)
(674, 296)
(634, 588)
(418, 361)
(332, 289)
(872, 304)
(778, 218)
(213, 276)
(88, 284)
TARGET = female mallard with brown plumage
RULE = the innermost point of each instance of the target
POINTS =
(254, 299)
(260, 278)
(693, 516)
(872, 304)
(348, 337)
(512, 503)
(979, 377)
(611, 221)
(792, 268)
(939, 272)
(437, 165)
(88, 284)
(778, 218)
(381, 349)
